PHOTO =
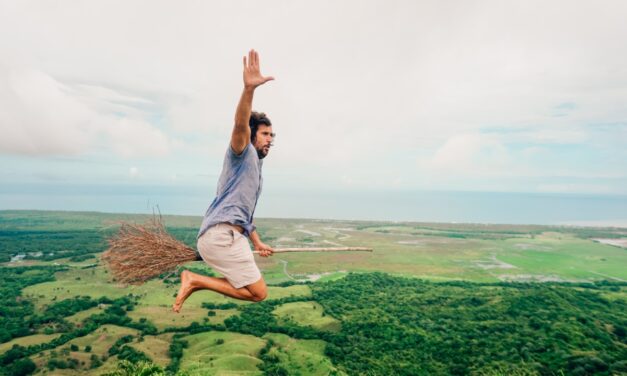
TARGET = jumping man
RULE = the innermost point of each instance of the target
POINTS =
(228, 221)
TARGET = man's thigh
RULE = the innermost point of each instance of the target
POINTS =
(229, 253)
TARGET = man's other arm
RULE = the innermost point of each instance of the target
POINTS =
(252, 79)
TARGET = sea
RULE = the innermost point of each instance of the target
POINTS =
(414, 205)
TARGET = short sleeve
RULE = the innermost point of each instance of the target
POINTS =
(231, 153)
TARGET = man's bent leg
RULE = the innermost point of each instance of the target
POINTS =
(258, 290)
(191, 282)
(255, 292)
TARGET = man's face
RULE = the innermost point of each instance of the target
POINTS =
(263, 140)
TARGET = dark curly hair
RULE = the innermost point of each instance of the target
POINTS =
(256, 119)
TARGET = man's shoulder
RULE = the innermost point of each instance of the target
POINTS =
(248, 155)
(231, 153)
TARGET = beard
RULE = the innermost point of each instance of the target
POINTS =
(262, 152)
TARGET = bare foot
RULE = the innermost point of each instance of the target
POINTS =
(184, 292)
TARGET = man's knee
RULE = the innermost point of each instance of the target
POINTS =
(258, 290)
(261, 295)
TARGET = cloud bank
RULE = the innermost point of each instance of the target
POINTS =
(480, 95)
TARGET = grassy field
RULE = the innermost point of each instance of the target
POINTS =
(156, 347)
(28, 340)
(483, 253)
(437, 252)
(78, 317)
(427, 250)
(163, 317)
(306, 314)
(95, 282)
(304, 357)
(100, 341)
(63, 220)
(222, 353)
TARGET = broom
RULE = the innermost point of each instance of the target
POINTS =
(138, 253)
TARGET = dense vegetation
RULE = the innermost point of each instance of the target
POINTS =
(50, 245)
(13, 309)
(416, 327)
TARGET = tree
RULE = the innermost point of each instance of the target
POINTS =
(126, 368)
(21, 367)
(95, 361)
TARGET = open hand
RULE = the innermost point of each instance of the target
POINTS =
(263, 249)
(252, 74)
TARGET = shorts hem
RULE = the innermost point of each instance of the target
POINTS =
(246, 282)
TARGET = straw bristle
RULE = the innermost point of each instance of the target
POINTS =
(140, 252)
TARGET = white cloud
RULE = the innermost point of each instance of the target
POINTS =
(136, 138)
(43, 116)
(38, 117)
(468, 154)
(361, 88)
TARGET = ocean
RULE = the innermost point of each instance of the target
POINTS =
(422, 206)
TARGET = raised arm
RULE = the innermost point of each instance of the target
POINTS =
(252, 78)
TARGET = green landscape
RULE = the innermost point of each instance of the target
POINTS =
(432, 299)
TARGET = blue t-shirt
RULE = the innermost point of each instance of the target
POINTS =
(239, 188)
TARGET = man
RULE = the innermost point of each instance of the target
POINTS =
(228, 221)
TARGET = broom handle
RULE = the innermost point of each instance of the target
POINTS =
(320, 249)
(316, 249)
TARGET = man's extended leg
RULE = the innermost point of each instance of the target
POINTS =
(191, 282)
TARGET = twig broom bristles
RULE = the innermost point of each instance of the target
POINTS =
(138, 253)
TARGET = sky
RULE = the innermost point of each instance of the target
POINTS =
(394, 96)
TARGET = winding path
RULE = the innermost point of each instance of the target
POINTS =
(285, 270)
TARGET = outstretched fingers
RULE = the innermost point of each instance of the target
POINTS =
(252, 63)
(252, 72)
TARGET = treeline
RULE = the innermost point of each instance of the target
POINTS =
(58, 311)
(492, 231)
(257, 319)
(13, 308)
(79, 245)
(410, 327)
(186, 235)
(51, 245)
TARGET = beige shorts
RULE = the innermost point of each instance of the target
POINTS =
(226, 250)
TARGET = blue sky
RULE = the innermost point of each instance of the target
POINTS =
(369, 96)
